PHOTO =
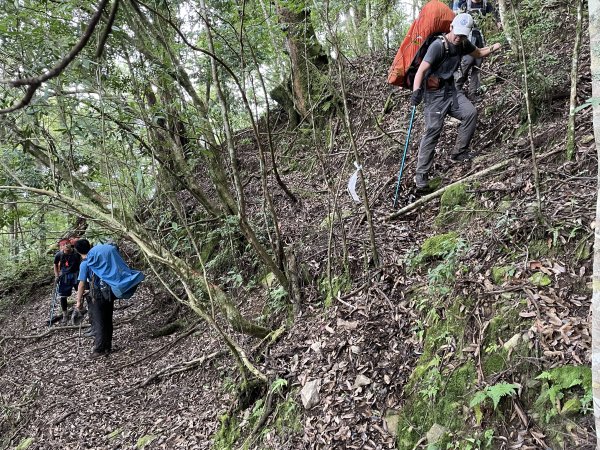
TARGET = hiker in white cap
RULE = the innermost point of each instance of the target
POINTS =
(470, 67)
(434, 83)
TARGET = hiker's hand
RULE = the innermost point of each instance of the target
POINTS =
(56, 278)
(417, 97)
(494, 48)
(78, 305)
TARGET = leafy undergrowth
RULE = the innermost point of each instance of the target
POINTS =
(473, 332)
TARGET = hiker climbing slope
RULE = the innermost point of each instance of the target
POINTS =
(66, 269)
(470, 67)
(434, 82)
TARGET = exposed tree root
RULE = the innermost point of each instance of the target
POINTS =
(187, 333)
(172, 370)
(268, 410)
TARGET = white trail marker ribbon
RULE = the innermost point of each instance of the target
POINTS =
(352, 183)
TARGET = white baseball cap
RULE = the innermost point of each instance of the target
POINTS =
(462, 24)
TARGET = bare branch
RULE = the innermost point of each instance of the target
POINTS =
(24, 101)
(107, 30)
(35, 82)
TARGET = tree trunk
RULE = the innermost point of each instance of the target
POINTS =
(13, 230)
(42, 231)
(573, 99)
(506, 26)
(594, 29)
(370, 24)
(307, 59)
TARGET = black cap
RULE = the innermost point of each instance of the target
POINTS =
(82, 246)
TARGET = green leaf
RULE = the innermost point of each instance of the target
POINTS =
(114, 434)
(497, 391)
(268, 280)
(278, 385)
(571, 406)
(592, 101)
(24, 444)
(478, 414)
(478, 399)
(554, 393)
(540, 279)
(544, 376)
(144, 440)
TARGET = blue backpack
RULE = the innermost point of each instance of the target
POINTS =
(115, 275)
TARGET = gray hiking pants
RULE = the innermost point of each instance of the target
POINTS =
(469, 66)
(437, 105)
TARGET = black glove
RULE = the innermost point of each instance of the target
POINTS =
(77, 315)
(417, 97)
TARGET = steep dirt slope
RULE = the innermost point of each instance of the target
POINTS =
(364, 343)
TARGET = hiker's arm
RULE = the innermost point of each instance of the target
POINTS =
(56, 271)
(79, 298)
(483, 52)
(423, 68)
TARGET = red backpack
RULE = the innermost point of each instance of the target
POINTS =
(435, 18)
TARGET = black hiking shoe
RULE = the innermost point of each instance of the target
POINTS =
(422, 190)
(90, 333)
(422, 181)
(461, 157)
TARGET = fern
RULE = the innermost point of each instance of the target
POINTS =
(278, 385)
(500, 390)
(495, 393)
(559, 383)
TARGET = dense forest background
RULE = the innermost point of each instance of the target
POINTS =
(214, 142)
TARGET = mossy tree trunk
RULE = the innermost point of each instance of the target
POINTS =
(307, 60)
(507, 26)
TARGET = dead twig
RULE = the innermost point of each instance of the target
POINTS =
(62, 418)
(439, 192)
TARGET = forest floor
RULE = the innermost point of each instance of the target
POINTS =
(170, 392)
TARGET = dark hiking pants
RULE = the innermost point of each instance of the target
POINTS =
(66, 283)
(469, 66)
(102, 322)
(437, 105)
(91, 308)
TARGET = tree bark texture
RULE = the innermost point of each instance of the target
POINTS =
(506, 26)
(307, 59)
(573, 97)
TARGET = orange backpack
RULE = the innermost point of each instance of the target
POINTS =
(434, 18)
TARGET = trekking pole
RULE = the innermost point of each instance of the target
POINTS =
(54, 296)
(412, 116)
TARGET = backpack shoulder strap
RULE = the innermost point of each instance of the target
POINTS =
(445, 44)
(444, 41)
(93, 285)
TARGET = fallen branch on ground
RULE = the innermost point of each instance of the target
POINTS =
(44, 334)
(172, 370)
(439, 192)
